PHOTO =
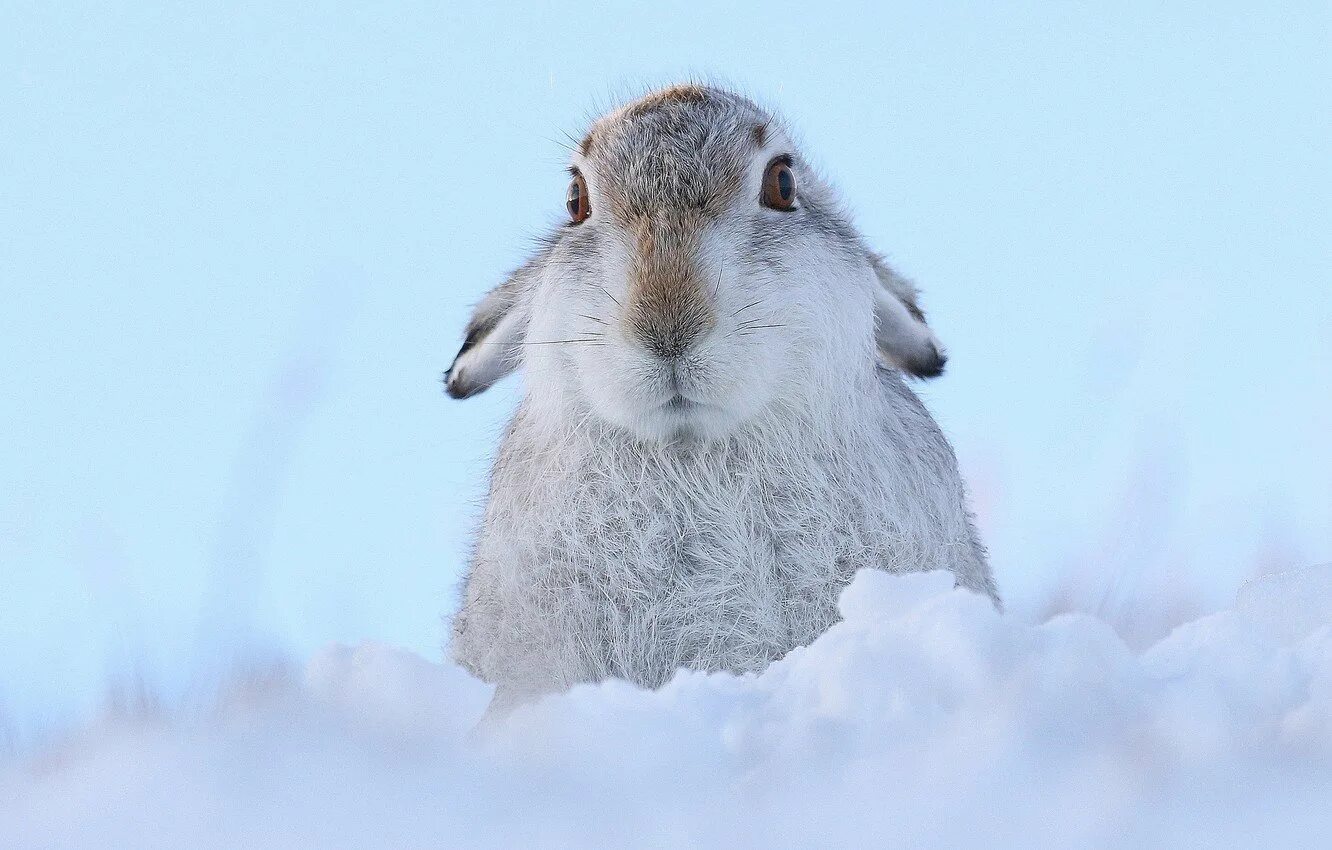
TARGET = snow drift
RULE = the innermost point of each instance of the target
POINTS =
(924, 718)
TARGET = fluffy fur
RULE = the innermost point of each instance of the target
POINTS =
(716, 433)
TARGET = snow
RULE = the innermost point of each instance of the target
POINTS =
(923, 719)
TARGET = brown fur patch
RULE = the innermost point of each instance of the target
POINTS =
(669, 306)
(760, 134)
(586, 146)
(683, 93)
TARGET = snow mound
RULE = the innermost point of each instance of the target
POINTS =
(923, 719)
(1288, 605)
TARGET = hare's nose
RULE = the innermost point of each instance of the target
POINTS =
(668, 337)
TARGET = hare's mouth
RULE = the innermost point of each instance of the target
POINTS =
(683, 416)
(679, 404)
(677, 415)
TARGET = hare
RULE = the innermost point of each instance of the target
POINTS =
(715, 434)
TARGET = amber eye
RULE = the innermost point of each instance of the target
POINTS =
(779, 185)
(576, 200)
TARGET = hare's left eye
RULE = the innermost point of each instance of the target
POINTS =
(576, 200)
(779, 185)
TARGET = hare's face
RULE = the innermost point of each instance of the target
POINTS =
(704, 277)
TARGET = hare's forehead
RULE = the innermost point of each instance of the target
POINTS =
(694, 153)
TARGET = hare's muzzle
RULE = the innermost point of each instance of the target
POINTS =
(669, 307)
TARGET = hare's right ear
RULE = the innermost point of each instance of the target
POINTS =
(492, 347)
(903, 338)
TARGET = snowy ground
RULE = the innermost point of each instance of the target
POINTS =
(923, 719)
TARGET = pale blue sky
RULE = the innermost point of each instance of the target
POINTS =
(238, 243)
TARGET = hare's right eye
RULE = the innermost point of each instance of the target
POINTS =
(779, 185)
(576, 200)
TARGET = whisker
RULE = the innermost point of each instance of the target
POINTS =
(574, 143)
(746, 307)
(557, 142)
(611, 297)
(564, 341)
(594, 340)
(592, 319)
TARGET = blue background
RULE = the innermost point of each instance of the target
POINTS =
(238, 243)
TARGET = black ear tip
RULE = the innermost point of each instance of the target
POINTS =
(459, 391)
(455, 387)
(929, 367)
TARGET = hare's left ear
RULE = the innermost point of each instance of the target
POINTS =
(492, 347)
(905, 341)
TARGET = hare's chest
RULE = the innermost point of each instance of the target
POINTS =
(726, 584)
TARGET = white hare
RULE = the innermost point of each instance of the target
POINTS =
(715, 434)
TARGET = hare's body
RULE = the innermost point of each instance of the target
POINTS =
(604, 557)
(716, 434)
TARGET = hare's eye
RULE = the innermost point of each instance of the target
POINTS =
(779, 185)
(576, 200)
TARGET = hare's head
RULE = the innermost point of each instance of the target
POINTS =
(704, 276)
